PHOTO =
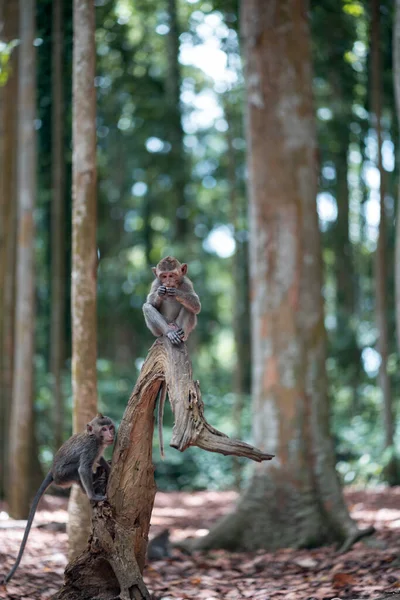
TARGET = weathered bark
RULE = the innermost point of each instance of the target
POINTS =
(381, 254)
(113, 563)
(19, 492)
(84, 253)
(297, 500)
(173, 86)
(57, 226)
(8, 202)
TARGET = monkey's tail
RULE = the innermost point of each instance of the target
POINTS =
(161, 403)
(45, 484)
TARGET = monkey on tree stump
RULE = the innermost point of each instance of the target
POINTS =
(171, 309)
(172, 305)
(74, 463)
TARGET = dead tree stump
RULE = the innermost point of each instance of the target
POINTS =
(111, 567)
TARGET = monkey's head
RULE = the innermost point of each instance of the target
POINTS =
(103, 428)
(170, 271)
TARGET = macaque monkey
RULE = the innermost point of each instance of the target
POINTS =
(159, 547)
(172, 306)
(171, 309)
(74, 463)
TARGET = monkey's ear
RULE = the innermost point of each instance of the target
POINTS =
(184, 268)
(89, 428)
(154, 269)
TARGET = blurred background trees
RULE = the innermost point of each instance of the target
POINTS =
(172, 180)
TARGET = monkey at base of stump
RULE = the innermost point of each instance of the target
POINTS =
(74, 463)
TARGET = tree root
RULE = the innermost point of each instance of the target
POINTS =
(355, 537)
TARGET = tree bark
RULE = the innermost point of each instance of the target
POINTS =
(8, 202)
(113, 563)
(84, 253)
(381, 254)
(297, 500)
(57, 341)
(19, 492)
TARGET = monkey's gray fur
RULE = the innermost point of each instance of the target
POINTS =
(74, 463)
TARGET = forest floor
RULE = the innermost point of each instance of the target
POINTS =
(370, 570)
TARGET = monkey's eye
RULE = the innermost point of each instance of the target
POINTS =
(104, 428)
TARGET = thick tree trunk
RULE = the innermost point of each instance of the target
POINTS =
(297, 500)
(113, 563)
(57, 226)
(381, 254)
(84, 253)
(8, 203)
(19, 492)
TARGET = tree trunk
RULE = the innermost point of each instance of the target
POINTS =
(113, 563)
(8, 202)
(347, 350)
(380, 255)
(297, 500)
(396, 83)
(57, 226)
(84, 253)
(173, 87)
(19, 492)
(240, 293)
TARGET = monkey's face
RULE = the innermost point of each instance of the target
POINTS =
(103, 428)
(107, 433)
(171, 279)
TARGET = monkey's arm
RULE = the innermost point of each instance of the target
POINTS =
(154, 298)
(46, 482)
(85, 472)
(186, 296)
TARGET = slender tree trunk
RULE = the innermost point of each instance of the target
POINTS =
(22, 405)
(346, 341)
(296, 500)
(240, 293)
(57, 226)
(173, 86)
(7, 233)
(84, 254)
(381, 254)
(396, 83)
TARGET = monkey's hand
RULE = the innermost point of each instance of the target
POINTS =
(175, 336)
(171, 291)
(162, 290)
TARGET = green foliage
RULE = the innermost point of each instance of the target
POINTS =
(137, 212)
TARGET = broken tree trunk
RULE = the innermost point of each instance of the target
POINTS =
(112, 565)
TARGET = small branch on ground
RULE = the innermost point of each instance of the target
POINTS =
(355, 537)
(112, 565)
